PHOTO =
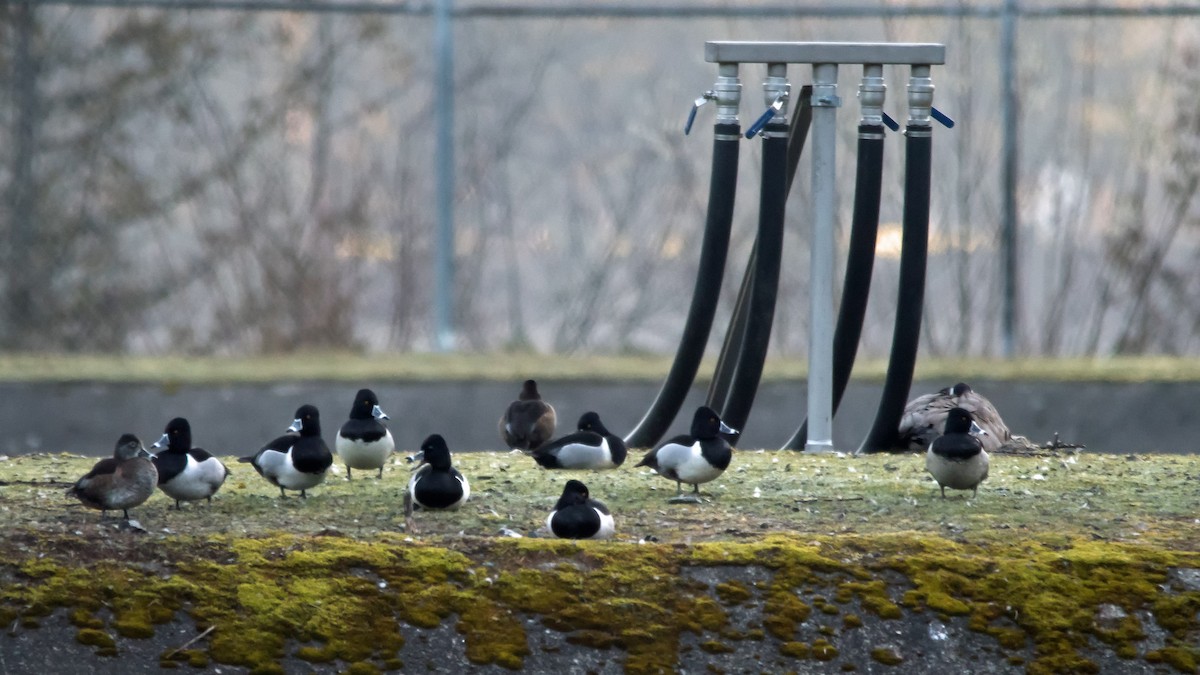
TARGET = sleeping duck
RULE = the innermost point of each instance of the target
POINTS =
(578, 516)
(925, 416)
(593, 446)
(528, 422)
(956, 459)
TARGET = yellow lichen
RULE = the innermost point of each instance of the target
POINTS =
(795, 650)
(887, 656)
(733, 592)
(822, 650)
(95, 638)
(347, 601)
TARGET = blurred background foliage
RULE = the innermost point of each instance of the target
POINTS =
(237, 183)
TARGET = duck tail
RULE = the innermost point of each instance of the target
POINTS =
(546, 459)
(650, 460)
(245, 460)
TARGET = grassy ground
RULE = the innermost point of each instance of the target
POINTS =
(1063, 563)
(516, 366)
(1134, 498)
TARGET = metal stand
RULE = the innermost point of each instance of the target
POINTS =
(736, 389)
(825, 58)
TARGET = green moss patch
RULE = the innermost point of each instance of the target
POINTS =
(1049, 570)
(348, 602)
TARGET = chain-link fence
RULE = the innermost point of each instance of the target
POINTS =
(229, 181)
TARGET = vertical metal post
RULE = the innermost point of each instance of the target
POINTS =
(860, 253)
(1008, 174)
(825, 103)
(443, 292)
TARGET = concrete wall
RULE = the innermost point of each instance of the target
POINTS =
(236, 419)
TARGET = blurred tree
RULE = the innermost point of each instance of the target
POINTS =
(1155, 249)
(86, 99)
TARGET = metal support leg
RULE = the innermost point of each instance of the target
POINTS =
(860, 258)
(825, 103)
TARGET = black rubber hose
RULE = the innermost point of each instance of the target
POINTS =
(884, 433)
(731, 349)
(707, 291)
(765, 286)
(860, 262)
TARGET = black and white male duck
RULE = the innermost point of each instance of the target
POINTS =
(528, 422)
(123, 481)
(297, 460)
(591, 447)
(694, 458)
(578, 516)
(925, 416)
(186, 474)
(364, 442)
(436, 484)
(956, 459)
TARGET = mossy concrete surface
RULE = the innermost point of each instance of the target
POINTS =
(811, 563)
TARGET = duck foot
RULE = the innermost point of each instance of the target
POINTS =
(685, 499)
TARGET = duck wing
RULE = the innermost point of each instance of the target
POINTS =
(986, 416)
(924, 418)
(571, 451)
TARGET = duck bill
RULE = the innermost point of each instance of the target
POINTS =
(143, 452)
(378, 413)
(297, 425)
(417, 460)
(977, 430)
(161, 443)
(726, 429)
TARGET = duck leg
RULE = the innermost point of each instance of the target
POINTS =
(410, 526)
(681, 498)
(349, 473)
(380, 476)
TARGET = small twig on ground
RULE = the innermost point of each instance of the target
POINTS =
(191, 642)
(1056, 445)
(808, 500)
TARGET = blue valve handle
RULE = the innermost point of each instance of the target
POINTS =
(936, 114)
(941, 117)
(760, 123)
(762, 120)
(687, 128)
